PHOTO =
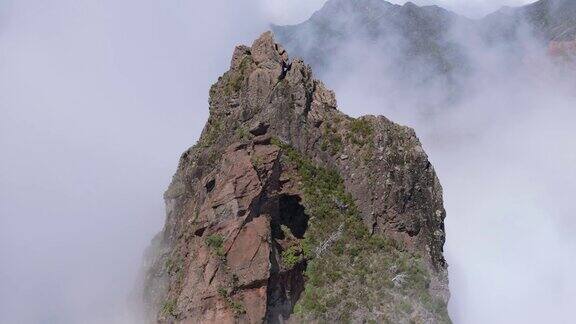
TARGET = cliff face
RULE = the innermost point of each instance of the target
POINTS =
(288, 210)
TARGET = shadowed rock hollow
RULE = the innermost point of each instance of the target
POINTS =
(287, 210)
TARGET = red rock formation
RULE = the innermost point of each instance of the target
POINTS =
(245, 227)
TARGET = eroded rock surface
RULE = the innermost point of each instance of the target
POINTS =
(287, 210)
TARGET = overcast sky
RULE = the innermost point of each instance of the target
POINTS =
(98, 99)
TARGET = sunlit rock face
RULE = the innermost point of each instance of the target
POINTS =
(287, 210)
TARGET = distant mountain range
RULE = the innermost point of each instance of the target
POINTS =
(417, 32)
(419, 44)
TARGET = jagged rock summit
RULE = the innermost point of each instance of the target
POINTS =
(287, 210)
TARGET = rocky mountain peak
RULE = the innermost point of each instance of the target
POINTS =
(287, 210)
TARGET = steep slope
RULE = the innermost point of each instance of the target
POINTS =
(288, 210)
(549, 20)
(552, 22)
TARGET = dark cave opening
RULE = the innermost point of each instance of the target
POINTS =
(293, 215)
(210, 185)
(286, 284)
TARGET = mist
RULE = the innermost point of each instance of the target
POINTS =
(99, 99)
(502, 151)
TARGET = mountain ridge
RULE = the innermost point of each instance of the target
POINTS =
(287, 210)
(426, 48)
(374, 20)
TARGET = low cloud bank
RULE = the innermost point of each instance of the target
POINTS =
(503, 152)
(100, 99)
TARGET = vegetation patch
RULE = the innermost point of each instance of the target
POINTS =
(332, 140)
(291, 256)
(216, 242)
(257, 160)
(236, 306)
(235, 78)
(213, 132)
(172, 266)
(169, 308)
(360, 131)
(242, 133)
(343, 257)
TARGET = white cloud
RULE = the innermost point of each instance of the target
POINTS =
(99, 99)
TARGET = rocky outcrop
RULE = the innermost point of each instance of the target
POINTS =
(287, 210)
